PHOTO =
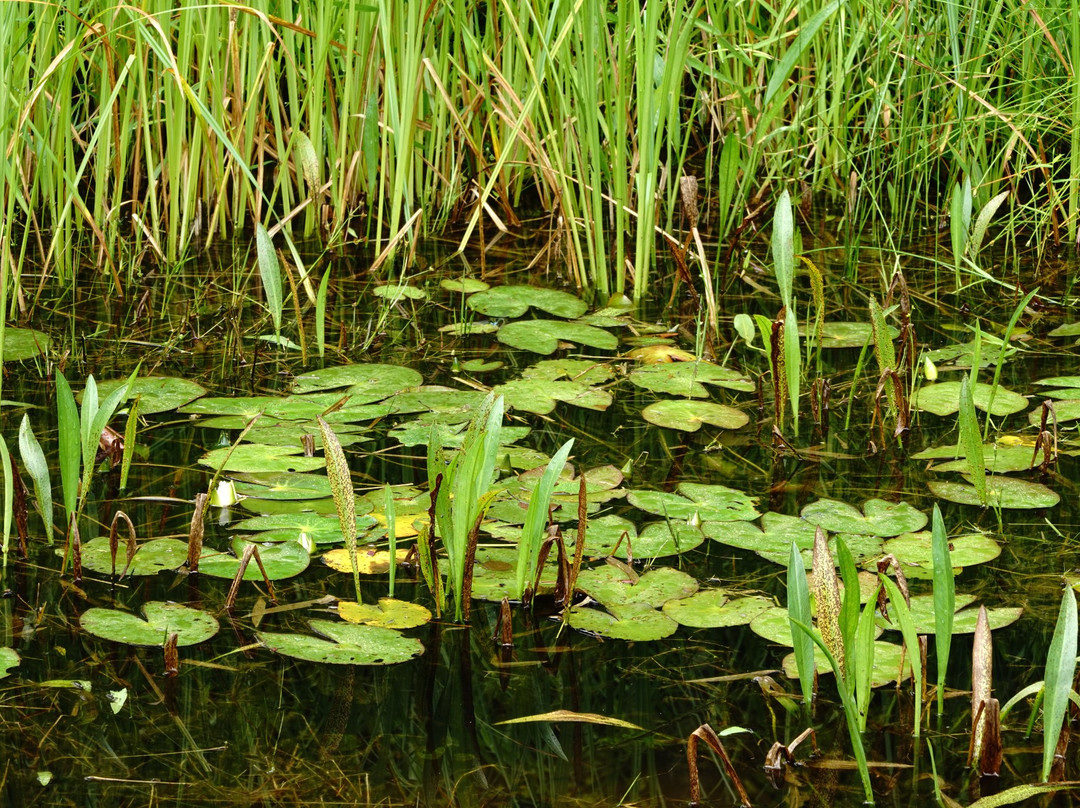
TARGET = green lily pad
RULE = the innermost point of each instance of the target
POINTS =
(716, 608)
(847, 335)
(582, 371)
(878, 517)
(998, 459)
(243, 407)
(688, 379)
(943, 398)
(367, 383)
(611, 586)
(1064, 411)
(544, 336)
(283, 486)
(152, 557)
(451, 436)
(688, 415)
(24, 343)
(633, 621)
(291, 434)
(1002, 492)
(399, 291)
(469, 328)
(913, 552)
(603, 533)
(387, 613)
(162, 619)
(1065, 330)
(660, 539)
(707, 503)
(348, 644)
(1060, 381)
(320, 528)
(515, 300)
(773, 625)
(281, 560)
(922, 615)
(155, 393)
(888, 658)
(481, 365)
(257, 457)
(465, 285)
(495, 574)
(962, 354)
(9, 658)
(539, 396)
(773, 539)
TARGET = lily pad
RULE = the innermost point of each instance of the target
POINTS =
(707, 503)
(495, 573)
(257, 457)
(922, 615)
(1001, 492)
(367, 383)
(369, 560)
(716, 608)
(1060, 381)
(152, 557)
(847, 335)
(481, 365)
(611, 586)
(544, 336)
(515, 300)
(888, 657)
(1065, 330)
(155, 393)
(997, 458)
(773, 625)
(961, 354)
(913, 552)
(9, 658)
(24, 343)
(943, 398)
(162, 619)
(540, 396)
(688, 379)
(283, 486)
(388, 613)
(603, 533)
(634, 621)
(688, 415)
(347, 644)
(878, 517)
(777, 532)
(469, 328)
(662, 539)
(399, 291)
(291, 434)
(1064, 411)
(465, 285)
(320, 528)
(582, 371)
(281, 560)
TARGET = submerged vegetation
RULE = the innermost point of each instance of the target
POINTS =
(428, 530)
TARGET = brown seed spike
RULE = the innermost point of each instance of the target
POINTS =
(337, 470)
(981, 681)
(195, 534)
(172, 655)
(827, 594)
(990, 756)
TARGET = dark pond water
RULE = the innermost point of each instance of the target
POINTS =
(240, 725)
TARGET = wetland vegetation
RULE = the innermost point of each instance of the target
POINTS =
(496, 403)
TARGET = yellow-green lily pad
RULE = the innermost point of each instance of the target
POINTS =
(922, 615)
(716, 608)
(260, 458)
(878, 517)
(633, 621)
(283, 486)
(155, 393)
(191, 626)
(467, 286)
(515, 300)
(152, 557)
(688, 415)
(773, 539)
(399, 291)
(913, 551)
(346, 644)
(387, 613)
(612, 586)
(706, 503)
(1001, 492)
(9, 658)
(943, 399)
(24, 343)
(540, 396)
(603, 533)
(281, 560)
(367, 382)
(887, 660)
(688, 379)
(847, 335)
(544, 336)
(320, 528)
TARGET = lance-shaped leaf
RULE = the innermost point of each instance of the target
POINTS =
(827, 595)
(944, 601)
(270, 272)
(971, 439)
(536, 518)
(902, 613)
(67, 417)
(337, 470)
(799, 613)
(1060, 666)
(34, 461)
(982, 653)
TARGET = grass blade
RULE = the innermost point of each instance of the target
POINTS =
(536, 518)
(38, 467)
(911, 640)
(9, 496)
(799, 613)
(270, 272)
(1060, 666)
(944, 601)
(67, 417)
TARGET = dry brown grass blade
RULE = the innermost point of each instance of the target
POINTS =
(708, 734)
(780, 755)
(76, 553)
(114, 540)
(981, 682)
(826, 591)
(251, 551)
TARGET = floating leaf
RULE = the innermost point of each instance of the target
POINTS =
(1001, 492)
(582, 371)
(914, 552)
(24, 343)
(964, 620)
(848, 335)
(369, 560)
(283, 486)
(399, 291)
(281, 560)
(774, 625)
(603, 533)
(688, 379)
(162, 619)
(388, 613)
(943, 398)
(152, 557)
(366, 383)
(348, 644)
(716, 608)
(887, 660)
(495, 573)
(155, 393)
(611, 586)
(998, 459)
(654, 354)
(320, 528)
(1060, 381)
(662, 539)
(688, 415)
(467, 286)
(707, 503)
(514, 301)
(9, 658)
(540, 396)
(257, 457)
(774, 538)
(1064, 411)
(878, 517)
(480, 365)
(469, 328)
(633, 621)
(544, 336)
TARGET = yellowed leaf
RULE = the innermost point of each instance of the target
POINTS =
(387, 613)
(570, 715)
(369, 561)
(405, 523)
(653, 354)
